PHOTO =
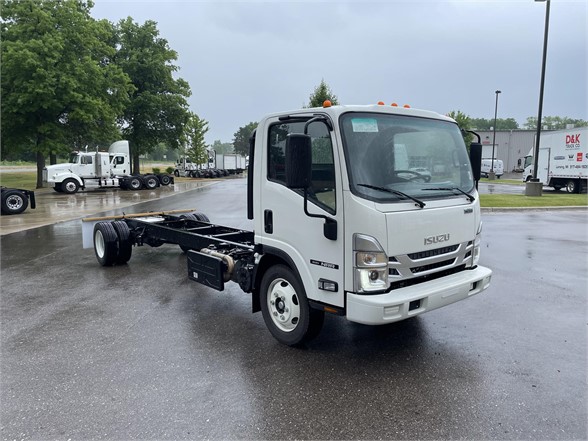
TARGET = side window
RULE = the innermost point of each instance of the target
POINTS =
(322, 190)
(86, 160)
(117, 160)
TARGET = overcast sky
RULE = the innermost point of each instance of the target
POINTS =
(244, 59)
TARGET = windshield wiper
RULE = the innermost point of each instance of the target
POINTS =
(396, 192)
(467, 195)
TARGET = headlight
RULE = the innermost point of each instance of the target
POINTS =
(371, 265)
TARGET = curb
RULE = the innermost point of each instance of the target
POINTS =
(510, 209)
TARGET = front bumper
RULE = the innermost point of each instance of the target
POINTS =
(403, 303)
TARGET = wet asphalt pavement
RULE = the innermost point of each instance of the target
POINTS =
(140, 352)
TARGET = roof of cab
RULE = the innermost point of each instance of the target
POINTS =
(336, 111)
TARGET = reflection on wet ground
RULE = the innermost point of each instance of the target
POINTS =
(53, 207)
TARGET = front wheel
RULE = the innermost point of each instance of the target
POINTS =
(285, 307)
(70, 186)
(572, 186)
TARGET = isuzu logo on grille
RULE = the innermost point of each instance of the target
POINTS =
(436, 239)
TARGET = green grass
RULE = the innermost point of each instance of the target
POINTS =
(503, 181)
(24, 180)
(522, 201)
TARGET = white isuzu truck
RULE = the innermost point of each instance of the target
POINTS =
(563, 160)
(93, 170)
(343, 221)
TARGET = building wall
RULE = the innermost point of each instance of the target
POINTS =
(510, 146)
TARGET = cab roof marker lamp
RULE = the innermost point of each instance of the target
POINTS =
(370, 275)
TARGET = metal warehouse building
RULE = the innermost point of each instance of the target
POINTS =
(511, 146)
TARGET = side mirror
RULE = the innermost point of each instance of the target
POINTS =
(298, 160)
(476, 159)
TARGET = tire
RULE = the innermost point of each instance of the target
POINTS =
(177, 173)
(151, 182)
(58, 188)
(70, 186)
(285, 307)
(135, 183)
(14, 202)
(201, 217)
(165, 179)
(572, 186)
(105, 243)
(125, 245)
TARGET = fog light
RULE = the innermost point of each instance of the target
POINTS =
(374, 275)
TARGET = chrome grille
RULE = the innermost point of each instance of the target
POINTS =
(431, 253)
(413, 266)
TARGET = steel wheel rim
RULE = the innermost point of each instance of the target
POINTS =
(283, 305)
(70, 186)
(99, 243)
(14, 202)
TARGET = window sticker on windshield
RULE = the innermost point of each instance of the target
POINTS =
(364, 125)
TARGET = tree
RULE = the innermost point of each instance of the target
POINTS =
(59, 85)
(488, 124)
(464, 123)
(321, 93)
(158, 110)
(241, 140)
(193, 139)
(554, 122)
(222, 147)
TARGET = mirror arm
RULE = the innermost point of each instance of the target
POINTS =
(330, 226)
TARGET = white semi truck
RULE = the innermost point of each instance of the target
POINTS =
(563, 160)
(93, 170)
(343, 222)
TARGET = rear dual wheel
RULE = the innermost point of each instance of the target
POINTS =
(112, 243)
(195, 217)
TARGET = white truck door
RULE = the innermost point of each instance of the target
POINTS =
(86, 168)
(543, 170)
(318, 260)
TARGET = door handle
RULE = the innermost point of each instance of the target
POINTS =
(268, 221)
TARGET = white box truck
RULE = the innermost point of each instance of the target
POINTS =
(342, 225)
(563, 160)
(489, 164)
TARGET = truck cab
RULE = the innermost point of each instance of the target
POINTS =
(369, 236)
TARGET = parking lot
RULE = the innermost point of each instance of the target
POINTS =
(140, 352)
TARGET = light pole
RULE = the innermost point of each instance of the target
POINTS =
(534, 187)
(492, 175)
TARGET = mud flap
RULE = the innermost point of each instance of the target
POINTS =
(206, 269)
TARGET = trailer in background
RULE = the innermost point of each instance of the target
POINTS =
(563, 160)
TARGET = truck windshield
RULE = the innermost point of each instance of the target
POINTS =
(419, 157)
(74, 158)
